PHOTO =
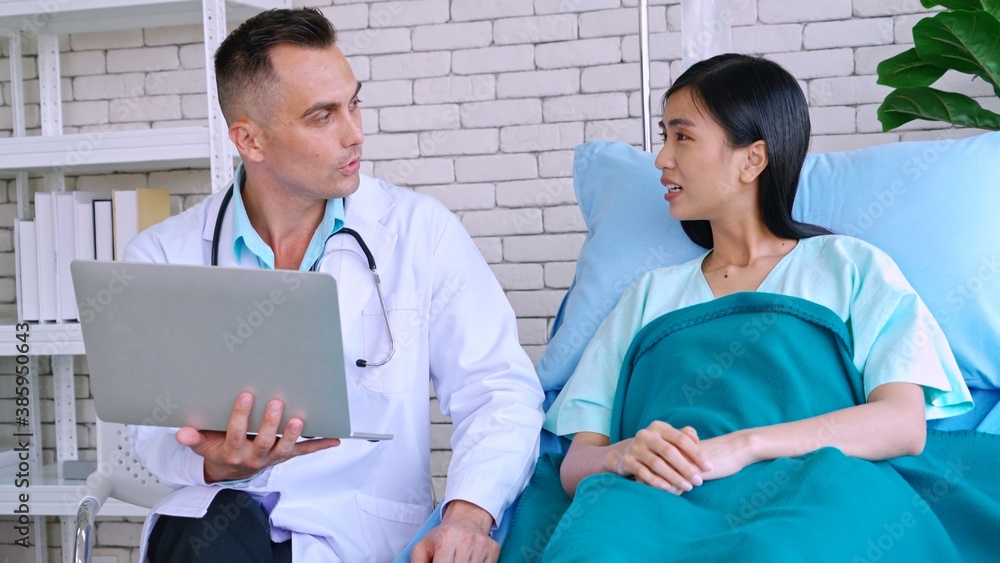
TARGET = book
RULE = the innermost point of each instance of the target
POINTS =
(104, 240)
(68, 236)
(85, 231)
(45, 243)
(65, 237)
(26, 270)
(136, 211)
(84, 203)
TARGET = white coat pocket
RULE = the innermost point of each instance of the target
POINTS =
(389, 525)
(409, 329)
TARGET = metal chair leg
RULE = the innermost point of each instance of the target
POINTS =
(85, 529)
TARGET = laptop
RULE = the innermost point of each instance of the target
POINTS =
(171, 345)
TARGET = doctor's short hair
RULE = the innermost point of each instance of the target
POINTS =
(243, 71)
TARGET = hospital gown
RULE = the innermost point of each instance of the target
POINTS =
(894, 336)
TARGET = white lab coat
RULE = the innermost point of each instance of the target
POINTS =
(364, 501)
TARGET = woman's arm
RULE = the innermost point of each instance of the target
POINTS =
(891, 424)
(660, 455)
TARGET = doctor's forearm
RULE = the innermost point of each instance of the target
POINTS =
(460, 510)
(173, 464)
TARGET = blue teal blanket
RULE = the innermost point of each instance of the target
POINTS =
(744, 361)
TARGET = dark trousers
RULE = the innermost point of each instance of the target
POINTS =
(235, 528)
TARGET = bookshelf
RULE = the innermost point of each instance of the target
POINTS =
(121, 151)
(55, 155)
(47, 339)
(78, 16)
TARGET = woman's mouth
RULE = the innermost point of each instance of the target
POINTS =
(673, 190)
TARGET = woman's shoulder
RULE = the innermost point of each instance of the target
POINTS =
(671, 274)
(865, 260)
(848, 249)
(660, 287)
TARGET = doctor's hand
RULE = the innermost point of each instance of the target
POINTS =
(462, 536)
(235, 455)
(665, 457)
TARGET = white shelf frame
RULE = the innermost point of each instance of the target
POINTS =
(53, 496)
(149, 149)
(55, 154)
(76, 16)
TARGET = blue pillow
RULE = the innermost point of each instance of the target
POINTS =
(931, 205)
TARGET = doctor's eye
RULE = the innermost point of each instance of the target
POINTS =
(355, 103)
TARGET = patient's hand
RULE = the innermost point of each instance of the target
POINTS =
(235, 455)
(728, 453)
(665, 457)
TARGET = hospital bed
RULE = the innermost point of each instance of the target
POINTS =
(931, 205)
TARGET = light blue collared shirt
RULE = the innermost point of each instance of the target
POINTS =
(244, 235)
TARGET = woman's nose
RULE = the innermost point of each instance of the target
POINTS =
(665, 158)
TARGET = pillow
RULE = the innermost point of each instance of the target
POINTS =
(931, 205)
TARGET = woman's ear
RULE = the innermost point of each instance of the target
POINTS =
(755, 163)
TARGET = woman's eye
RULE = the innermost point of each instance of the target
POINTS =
(663, 136)
(682, 137)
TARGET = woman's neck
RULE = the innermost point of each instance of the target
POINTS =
(743, 245)
(742, 259)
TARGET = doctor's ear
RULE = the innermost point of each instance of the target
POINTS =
(246, 135)
(755, 163)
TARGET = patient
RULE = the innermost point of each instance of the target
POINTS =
(830, 359)
(735, 134)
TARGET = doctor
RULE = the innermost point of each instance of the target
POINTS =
(291, 102)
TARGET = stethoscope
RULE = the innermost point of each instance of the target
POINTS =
(315, 268)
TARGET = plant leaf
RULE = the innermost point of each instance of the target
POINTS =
(968, 42)
(991, 6)
(903, 105)
(908, 70)
(953, 4)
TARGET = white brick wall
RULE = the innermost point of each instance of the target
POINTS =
(455, 89)
(494, 59)
(792, 11)
(535, 29)
(413, 65)
(146, 59)
(460, 142)
(580, 53)
(848, 33)
(501, 113)
(480, 104)
(538, 83)
(452, 36)
(586, 107)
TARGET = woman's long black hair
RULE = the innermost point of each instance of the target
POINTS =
(755, 99)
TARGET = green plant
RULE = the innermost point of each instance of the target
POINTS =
(966, 38)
